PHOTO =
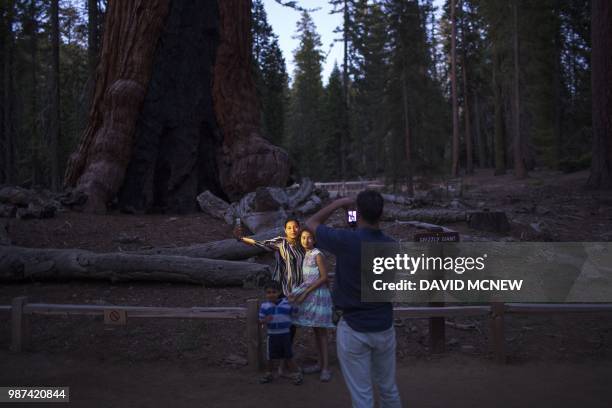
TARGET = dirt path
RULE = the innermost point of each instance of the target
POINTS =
(448, 382)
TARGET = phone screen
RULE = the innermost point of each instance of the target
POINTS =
(352, 216)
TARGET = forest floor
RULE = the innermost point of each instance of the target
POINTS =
(561, 360)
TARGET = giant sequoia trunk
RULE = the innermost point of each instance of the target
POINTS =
(174, 110)
(601, 80)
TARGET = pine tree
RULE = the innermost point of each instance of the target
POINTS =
(417, 113)
(270, 74)
(601, 168)
(332, 124)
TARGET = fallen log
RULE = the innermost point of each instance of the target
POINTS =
(426, 226)
(303, 192)
(495, 221)
(431, 215)
(399, 199)
(27, 264)
(228, 249)
(5, 239)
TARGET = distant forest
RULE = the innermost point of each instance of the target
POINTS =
(419, 92)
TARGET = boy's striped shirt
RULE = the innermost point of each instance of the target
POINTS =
(281, 316)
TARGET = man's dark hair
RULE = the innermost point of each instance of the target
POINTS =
(291, 218)
(370, 206)
(272, 284)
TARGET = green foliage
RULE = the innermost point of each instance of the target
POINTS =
(333, 127)
(305, 126)
(31, 63)
(270, 75)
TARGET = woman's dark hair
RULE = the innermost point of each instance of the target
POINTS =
(370, 206)
(291, 218)
(303, 230)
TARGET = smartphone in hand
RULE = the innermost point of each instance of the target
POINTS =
(351, 217)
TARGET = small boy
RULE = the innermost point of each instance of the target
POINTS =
(275, 312)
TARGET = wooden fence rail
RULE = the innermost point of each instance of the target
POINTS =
(20, 310)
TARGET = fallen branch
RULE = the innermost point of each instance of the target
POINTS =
(20, 264)
(435, 216)
(5, 239)
(228, 249)
(426, 226)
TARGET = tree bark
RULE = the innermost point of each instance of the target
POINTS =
(92, 36)
(98, 165)
(54, 127)
(455, 143)
(175, 109)
(33, 43)
(469, 165)
(27, 264)
(5, 238)
(557, 86)
(601, 84)
(499, 135)
(246, 160)
(407, 136)
(519, 164)
(480, 140)
(8, 93)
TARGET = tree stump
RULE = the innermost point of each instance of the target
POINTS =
(493, 221)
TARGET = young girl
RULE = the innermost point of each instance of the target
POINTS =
(313, 301)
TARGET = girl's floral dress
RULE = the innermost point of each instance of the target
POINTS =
(316, 309)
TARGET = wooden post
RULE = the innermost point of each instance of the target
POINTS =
(19, 325)
(253, 335)
(498, 342)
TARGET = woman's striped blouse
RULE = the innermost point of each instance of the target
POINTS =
(288, 267)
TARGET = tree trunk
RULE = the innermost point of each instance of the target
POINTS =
(246, 159)
(7, 96)
(601, 80)
(519, 164)
(469, 165)
(430, 215)
(500, 140)
(54, 127)
(345, 94)
(480, 140)
(27, 264)
(557, 86)
(5, 238)
(33, 43)
(227, 249)
(407, 136)
(174, 111)
(92, 36)
(455, 147)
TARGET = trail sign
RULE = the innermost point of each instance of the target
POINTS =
(435, 236)
(115, 316)
(437, 326)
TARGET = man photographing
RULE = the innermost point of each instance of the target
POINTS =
(365, 338)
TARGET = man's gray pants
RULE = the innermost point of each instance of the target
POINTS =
(367, 359)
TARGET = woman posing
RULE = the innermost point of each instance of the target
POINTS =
(289, 254)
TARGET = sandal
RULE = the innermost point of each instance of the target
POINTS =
(298, 379)
(266, 378)
(325, 376)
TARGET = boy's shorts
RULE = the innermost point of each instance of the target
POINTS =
(279, 346)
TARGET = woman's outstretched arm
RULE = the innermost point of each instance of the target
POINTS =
(268, 244)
